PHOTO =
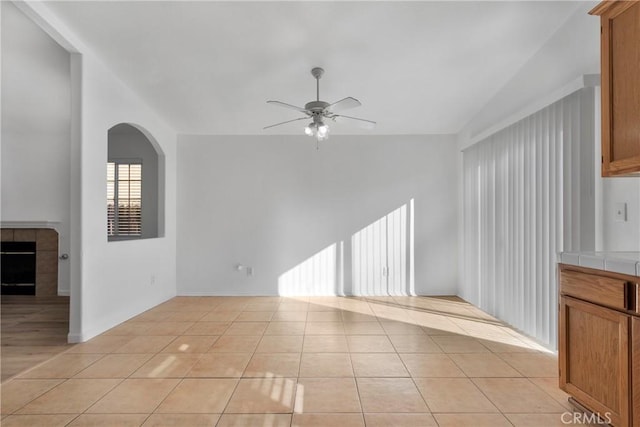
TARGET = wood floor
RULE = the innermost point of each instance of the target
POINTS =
(34, 329)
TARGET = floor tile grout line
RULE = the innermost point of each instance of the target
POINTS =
(134, 371)
(488, 398)
(240, 379)
(229, 400)
(102, 396)
(62, 380)
(547, 393)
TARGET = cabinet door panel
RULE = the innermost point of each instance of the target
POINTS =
(594, 358)
(625, 84)
(635, 370)
(620, 62)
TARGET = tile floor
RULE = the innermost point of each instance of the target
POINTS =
(270, 361)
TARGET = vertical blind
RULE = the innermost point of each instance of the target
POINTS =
(380, 254)
(523, 204)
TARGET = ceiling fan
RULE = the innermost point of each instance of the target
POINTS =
(319, 111)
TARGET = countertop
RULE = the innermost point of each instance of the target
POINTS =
(617, 262)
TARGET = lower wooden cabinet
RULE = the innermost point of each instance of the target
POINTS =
(595, 363)
(599, 344)
(635, 370)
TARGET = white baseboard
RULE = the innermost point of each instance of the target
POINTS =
(75, 338)
(225, 294)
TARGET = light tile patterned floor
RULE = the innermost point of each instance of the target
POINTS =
(270, 361)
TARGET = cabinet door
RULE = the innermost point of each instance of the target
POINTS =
(594, 358)
(635, 370)
(620, 53)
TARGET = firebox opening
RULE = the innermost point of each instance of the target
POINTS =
(18, 268)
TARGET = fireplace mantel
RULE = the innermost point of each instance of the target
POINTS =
(30, 224)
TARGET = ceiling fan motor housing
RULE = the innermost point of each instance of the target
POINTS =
(316, 107)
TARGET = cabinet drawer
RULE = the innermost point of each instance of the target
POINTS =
(597, 289)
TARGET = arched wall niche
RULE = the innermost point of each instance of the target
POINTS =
(130, 143)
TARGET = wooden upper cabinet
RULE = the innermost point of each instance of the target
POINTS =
(620, 68)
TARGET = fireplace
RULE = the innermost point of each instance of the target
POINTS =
(18, 268)
(21, 248)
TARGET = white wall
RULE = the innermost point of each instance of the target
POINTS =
(36, 130)
(621, 235)
(271, 202)
(120, 279)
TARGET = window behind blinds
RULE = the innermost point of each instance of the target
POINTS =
(527, 197)
(124, 198)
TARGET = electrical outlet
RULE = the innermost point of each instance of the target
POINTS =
(152, 280)
(249, 271)
(620, 212)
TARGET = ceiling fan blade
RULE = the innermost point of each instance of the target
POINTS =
(344, 104)
(285, 105)
(288, 121)
(364, 123)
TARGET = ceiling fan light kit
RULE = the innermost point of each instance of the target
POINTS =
(319, 110)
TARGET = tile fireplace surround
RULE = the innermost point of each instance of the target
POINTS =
(46, 255)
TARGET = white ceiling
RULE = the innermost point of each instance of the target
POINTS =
(417, 67)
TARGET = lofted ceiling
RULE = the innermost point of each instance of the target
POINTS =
(209, 67)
